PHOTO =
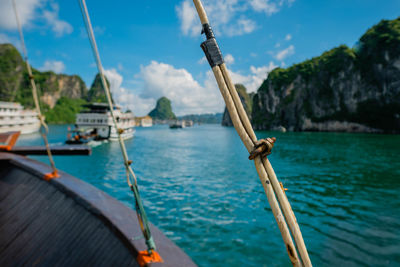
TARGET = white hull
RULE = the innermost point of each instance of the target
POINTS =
(13, 117)
(24, 129)
(127, 134)
(98, 121)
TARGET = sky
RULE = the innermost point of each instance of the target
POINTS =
(151, 48)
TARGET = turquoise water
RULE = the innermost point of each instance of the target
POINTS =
(200, 189)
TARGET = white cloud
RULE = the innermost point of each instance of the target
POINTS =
(29, 11)
(58, 26)
(242, 26)
(288, 37)
(190, 24)
(229, 59)
(53, 65)
(160, 79)
(228, 17)
(202, 60)
(126, 97)
(257, 75)
(285, 53)
(186, 94)
(267, 6)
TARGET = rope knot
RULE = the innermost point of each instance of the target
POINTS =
(262, 148)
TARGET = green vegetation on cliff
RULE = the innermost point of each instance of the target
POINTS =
(163, 110)
(61, 96)
(65, 110)
(331, 62)
(351, 85)
(96, 92)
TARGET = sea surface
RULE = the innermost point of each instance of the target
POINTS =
(200, 189)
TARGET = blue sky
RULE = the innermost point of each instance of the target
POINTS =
(151, 49)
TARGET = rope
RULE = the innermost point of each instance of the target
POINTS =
(141, 214)
(262, 148)
(276, 196)
(44, 129)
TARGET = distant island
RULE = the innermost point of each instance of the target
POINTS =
(62, 96)
(345, 89)
(208, 118)
(163, 112)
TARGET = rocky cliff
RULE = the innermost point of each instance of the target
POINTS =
(15, 86)
(163, 110)
(344, 89)
(246, 101)
(96, 92)
(61, 96)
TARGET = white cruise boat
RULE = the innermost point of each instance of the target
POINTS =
(95, 123)
(13, 117)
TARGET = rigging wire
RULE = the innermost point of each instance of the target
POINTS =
(44, 129)
(142, 217)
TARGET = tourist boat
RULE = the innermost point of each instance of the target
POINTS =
(64, 221)
(13, 117)
(177, 124)
(95, 123)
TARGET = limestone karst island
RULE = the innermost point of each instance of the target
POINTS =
(199, 133)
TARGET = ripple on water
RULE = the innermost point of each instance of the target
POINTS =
(199, 188)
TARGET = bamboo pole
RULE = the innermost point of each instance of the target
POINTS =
(291, 249)
(263, 166)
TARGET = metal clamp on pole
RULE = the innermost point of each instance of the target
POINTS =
(211, 48)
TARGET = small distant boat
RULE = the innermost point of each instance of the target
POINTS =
(177, 124)
(188, 123)
(13, 117)
(78, 136)
(145, 121)
(95, 123)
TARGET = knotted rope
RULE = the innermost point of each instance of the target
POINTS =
(151, 254)
(262, 148)
(243, 126)
(44, 129)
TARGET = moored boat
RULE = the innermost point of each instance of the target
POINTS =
(95, 123)
(13, 117)
(177, 124)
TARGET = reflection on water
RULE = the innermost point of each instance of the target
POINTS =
(199, 187)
